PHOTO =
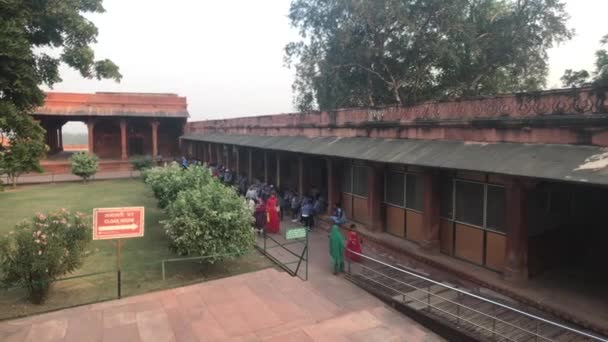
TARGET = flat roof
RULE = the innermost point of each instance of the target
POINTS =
(113, 104)
(570, 163)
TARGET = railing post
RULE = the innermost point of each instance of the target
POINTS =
(163, 268)
(428, 298)
(536, 331)
(307, 258)
(458, 309)
(348, 265)
(494, 322)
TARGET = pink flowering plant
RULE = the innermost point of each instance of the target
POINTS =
(39, 251)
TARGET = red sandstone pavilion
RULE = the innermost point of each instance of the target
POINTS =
(504, 187)
(119, 124)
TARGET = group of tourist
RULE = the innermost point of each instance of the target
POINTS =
(269, 205)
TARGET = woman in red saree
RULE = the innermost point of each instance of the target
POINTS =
(272, 225)
(353, 245)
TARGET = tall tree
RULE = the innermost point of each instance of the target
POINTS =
(598, 78)
(35, 37)
(367, 53)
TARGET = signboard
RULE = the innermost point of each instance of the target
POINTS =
(118, 223)
(295, 233)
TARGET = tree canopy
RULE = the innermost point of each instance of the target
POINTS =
(599, 77)
(366, 53)
(35, 37)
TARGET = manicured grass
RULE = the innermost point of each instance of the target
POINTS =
(141, 257)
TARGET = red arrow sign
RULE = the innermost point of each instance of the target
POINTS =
(118, 223)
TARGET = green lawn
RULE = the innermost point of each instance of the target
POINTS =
(141, 256)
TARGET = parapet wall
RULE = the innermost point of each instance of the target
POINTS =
(566, 116)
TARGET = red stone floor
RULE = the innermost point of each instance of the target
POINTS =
(267, 305)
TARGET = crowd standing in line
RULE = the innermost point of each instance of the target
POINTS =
(269, 204)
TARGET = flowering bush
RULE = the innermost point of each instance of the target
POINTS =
(211, 220)
(40, 250)
(167, 182)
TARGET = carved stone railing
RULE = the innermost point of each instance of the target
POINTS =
(545, 104)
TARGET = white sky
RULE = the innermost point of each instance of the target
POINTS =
(226, 56)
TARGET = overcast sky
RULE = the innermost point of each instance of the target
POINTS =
(226, 56)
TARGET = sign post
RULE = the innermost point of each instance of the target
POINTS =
(116, 224)
(295, 233)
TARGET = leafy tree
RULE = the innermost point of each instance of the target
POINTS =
(23, 147)
(368, 53)
(582, 77)
(35, 37)
(84, 165)
(211, 220)
(43, 249)
(575, 79)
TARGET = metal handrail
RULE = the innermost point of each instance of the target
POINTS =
(429, 293)
(537, 318)
(428, 304)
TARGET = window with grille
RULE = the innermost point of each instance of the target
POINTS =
(476, 204)
(404, 190)
(414, 192)
(360, 181)
(395, 187)
(469, 203)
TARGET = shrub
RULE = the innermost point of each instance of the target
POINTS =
(211, 220)
(84, 165)
(141, 163)
(167, 182)
(39, 251)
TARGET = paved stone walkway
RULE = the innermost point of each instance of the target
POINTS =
(67, 177)
(267, 305)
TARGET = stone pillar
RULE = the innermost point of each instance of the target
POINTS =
(238, 160)
(123, 139)
(333, 182)
(91, 132)
(218, 153)
(250, 166)
(375, 188)
(300, 175)
(430, 214)
(278, 156)
(52, 132)
(60, 136)
(226, 156)
(155, 138)
(516, 254)
(265, 166)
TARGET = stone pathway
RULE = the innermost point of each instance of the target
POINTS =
(67, 177)
(267, 305)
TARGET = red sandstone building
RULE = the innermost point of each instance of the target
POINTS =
(119, 125)
(506, 187)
